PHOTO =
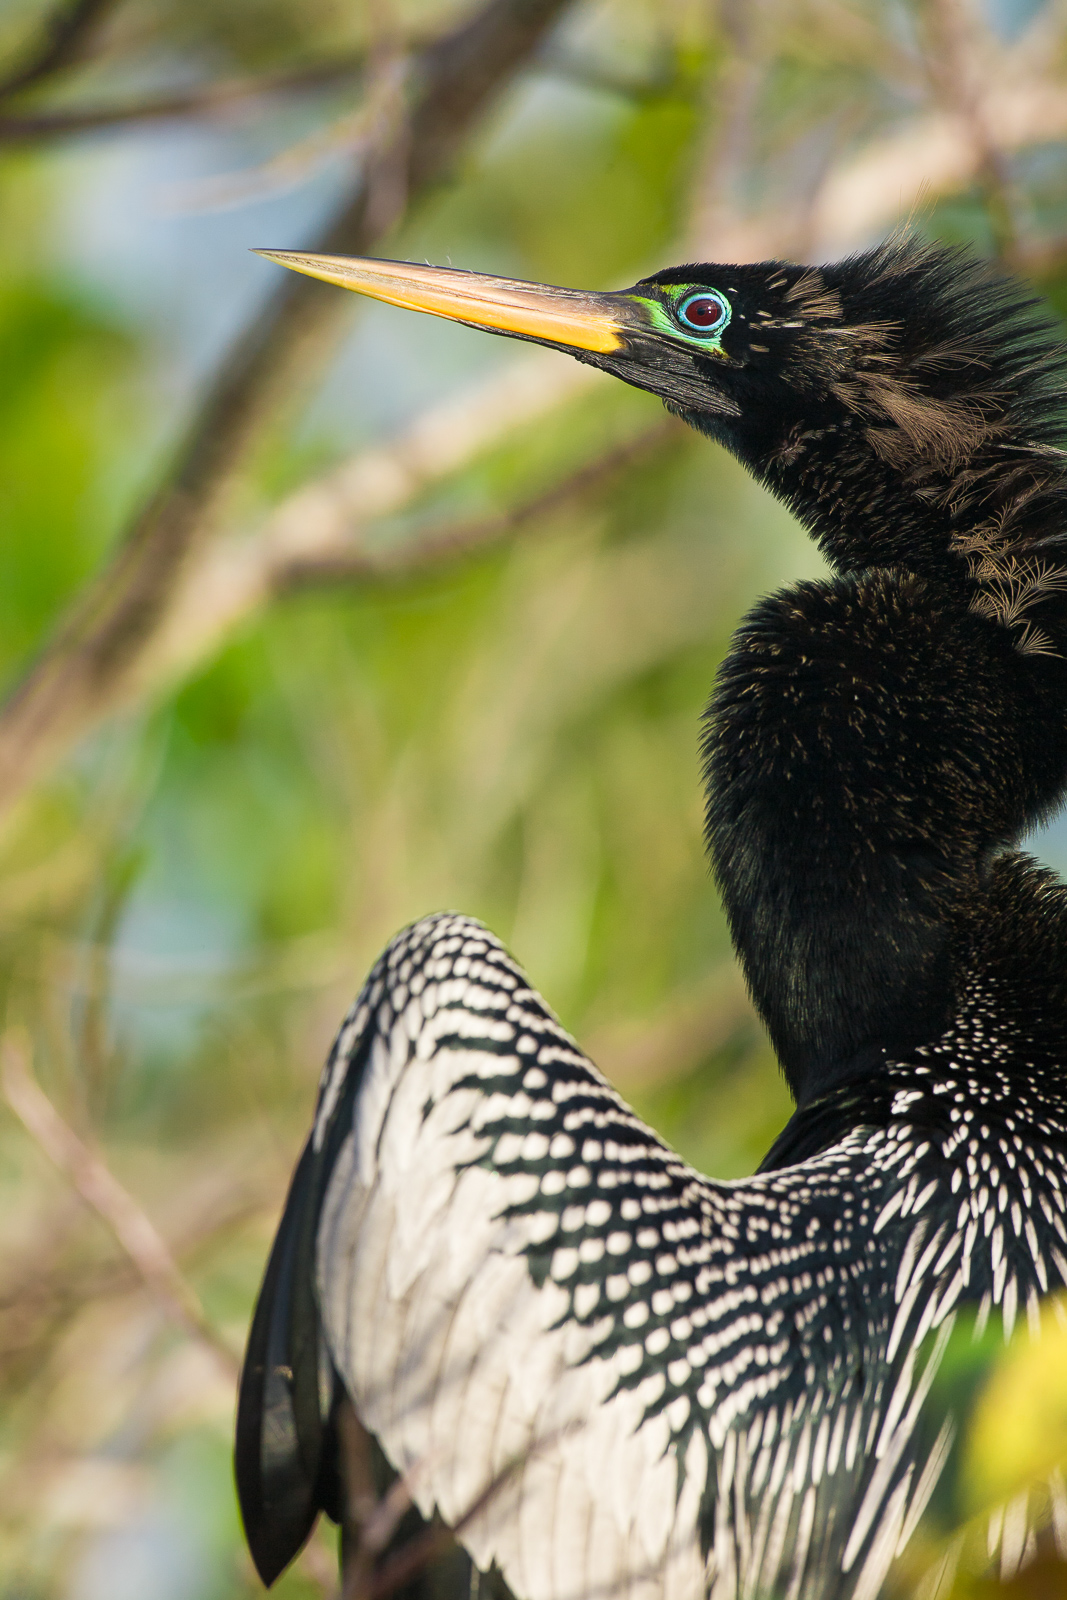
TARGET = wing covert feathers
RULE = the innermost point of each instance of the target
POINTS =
(612, 1375)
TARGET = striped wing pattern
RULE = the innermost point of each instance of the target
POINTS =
(614, 1375)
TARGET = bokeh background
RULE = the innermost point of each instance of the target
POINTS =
(436, 631)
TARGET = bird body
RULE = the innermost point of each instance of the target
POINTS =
(610, 1373)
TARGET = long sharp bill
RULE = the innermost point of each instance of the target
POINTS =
(567, 317)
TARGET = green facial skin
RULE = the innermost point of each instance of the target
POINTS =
(667, 318)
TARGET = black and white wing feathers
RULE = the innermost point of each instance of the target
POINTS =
(610, 1373)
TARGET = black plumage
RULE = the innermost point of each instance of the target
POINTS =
(680, 1387)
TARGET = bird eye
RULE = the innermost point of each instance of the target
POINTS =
(704, 313)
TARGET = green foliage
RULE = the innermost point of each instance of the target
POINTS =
(61, 405)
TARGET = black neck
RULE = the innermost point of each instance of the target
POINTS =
(872, 743)
(952, 517)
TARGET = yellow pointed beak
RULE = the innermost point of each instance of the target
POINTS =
(567, 317)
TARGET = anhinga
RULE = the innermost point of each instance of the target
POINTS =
(677, 1387)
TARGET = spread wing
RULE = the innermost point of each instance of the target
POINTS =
(608, 1373)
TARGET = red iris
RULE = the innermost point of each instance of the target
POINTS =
(703, 311)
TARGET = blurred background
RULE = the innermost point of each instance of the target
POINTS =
(316, 616)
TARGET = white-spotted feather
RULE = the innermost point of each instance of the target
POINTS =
(619, 1377)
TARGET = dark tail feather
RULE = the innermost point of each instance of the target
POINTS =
(286, 1451)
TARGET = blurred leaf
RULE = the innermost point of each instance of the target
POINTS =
(60, 404)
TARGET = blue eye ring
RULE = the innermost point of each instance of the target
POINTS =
(709, 298)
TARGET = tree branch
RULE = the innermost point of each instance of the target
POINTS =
(417, 1554)
(64, 33)
(101, 1190)
(869, 190)
(208, 99)
(323, 532)
(99, 646)
(352, 559)
(353, 134)
(201, 100)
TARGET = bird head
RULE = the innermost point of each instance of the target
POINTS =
(905, 403)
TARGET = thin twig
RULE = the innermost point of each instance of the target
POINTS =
(453, 539)
(38, 1304)
(201, 100)
(929, 156)
(369, 1523)
(205, 100)
(219, 98)
(353, 134)
(322, 532)
(64, 35)
(664, 79)
(98, 953)
(324, 514)
(418, 1553)
(101, 1190)
(411, 1559)
(99, 646)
